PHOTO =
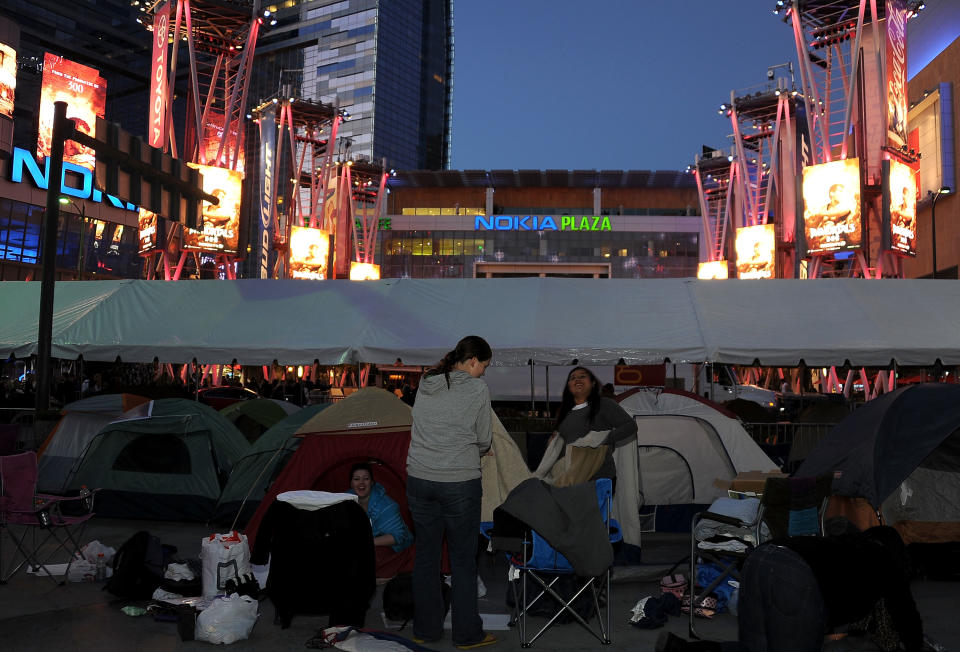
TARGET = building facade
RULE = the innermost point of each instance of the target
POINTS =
(389, 64)
(935, 114)
(500, 223)
(94, 238)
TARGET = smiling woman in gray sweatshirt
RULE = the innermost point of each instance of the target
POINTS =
(451, 431)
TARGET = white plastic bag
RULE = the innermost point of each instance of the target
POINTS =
(227, 619)
(92, 549)
(225, 557)
(82, 570)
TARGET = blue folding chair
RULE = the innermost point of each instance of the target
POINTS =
(539, 562)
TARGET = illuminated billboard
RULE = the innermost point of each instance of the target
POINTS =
(831, 206)
(213, 135)
(900, 188)
(713, 269)
(896, 81)
(157, 134)
(221, 223)
(364, 271)
(309, 250)
(84, 91)
(148, 225)
(756, 251)
(8, 79)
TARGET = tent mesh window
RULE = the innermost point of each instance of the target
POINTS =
(150, 453)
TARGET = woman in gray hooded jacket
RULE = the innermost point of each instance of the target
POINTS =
(451, 431)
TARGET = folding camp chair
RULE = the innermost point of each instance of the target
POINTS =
(536, 561)
(32, 520)
(727, 533)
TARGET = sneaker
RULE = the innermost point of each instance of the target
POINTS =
(488, 639)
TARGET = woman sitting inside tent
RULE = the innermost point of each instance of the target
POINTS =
(391, 536)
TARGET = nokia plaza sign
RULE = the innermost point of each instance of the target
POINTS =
(23, 160)
(541, 223)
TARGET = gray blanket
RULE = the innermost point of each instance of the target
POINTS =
(568, 518)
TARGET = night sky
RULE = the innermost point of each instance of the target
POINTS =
(612, 84)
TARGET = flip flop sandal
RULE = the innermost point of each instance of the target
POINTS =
(489, 639)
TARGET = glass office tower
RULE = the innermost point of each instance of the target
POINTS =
(389, 64)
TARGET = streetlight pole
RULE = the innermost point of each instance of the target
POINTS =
(83, 229)
(943, 190)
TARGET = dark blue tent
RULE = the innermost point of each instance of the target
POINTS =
(912, 431)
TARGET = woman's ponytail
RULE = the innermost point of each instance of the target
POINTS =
(472, 346)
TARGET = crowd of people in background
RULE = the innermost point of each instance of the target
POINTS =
(18, 392)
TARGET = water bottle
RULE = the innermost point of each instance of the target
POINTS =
(101, 575)
(85, 496)
(733, 602)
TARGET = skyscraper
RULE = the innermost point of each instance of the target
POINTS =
(389, 63)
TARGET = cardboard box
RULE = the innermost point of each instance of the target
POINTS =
(753, 481)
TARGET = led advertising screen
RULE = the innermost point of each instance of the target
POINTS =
(221, 223)
(713, 269)
(831, 206)
(309, 250)
(756, 251)
(900, 191)
(364, 271)
(212, 135)
(84, 91)
(147, 222)
(8, 79)
(896, 81)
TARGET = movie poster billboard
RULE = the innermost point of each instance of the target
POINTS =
(831, 206)
(157, 133)
(900, 189)
(756, 251)
(309, 251)
(148, 227)
(84, 91)
(8, 79)
(221, 223)
(713, 269)
(364, 271)
(896, 81)
(213, 135)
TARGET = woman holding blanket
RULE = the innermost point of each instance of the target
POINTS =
(391, 536)
(595, 424)
(451, 431)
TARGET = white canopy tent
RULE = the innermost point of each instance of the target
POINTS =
(551, 321)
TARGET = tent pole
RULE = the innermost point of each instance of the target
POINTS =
(546, 378)
(533, 407)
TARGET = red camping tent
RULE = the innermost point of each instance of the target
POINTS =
(369, 425)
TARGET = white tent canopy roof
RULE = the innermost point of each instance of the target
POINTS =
(549, 320)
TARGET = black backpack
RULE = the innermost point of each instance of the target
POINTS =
(398, 598)
(138, 567)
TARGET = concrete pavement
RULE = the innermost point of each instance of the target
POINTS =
(37, 615)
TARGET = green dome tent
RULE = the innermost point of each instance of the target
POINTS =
(252, 474)
(170, 465)
(254, 417)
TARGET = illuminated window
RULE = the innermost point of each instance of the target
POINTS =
(422, 247)
(409, 211)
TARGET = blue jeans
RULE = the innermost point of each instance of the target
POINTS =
(454, 508)
(780, 608)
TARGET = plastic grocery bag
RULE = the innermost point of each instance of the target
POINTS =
(227, 619)
(94, 548)
(225, 557)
